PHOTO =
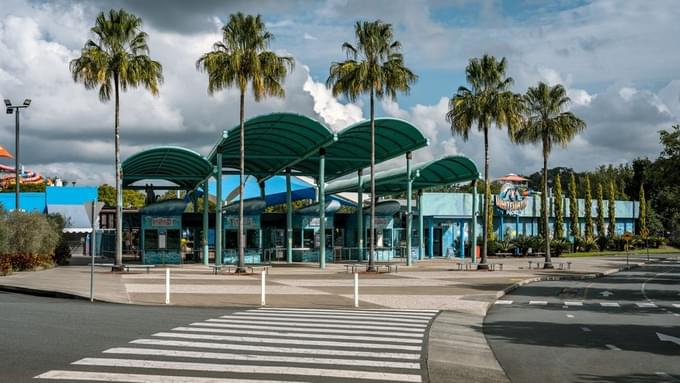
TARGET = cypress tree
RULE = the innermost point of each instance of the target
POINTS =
(559, 220)
(600, 211)
(573, 208)
(489, 217)
(643, 213)
(541, 222)
(588, 211)
(611, 229)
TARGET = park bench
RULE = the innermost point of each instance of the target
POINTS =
(388, 266)
(217, 268)
(561, 265)
(466, 265)
(147, 267)
(504, 254)
(492, 266)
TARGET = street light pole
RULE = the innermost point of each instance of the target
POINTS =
(10, 109)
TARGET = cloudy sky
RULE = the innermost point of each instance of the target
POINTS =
(618, 59)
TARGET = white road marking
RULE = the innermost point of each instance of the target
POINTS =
(143, 378)
(283, 350)
(676, 305)
(612, 347)
(273, 315)
(609, 304)
(503, 302)
(353, 325)
(643, 305)
(376, 311)
(304, 318)
(668, 338)
(585, 329)
(287, 341)
(676, 314)
(606, 293)
(569, 316)
(245, 369)
(260, 358)
(573, 303)
(391, 314)
(543, 303)
(298, 335)
(418, 334)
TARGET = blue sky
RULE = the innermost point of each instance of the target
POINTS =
(618, 60)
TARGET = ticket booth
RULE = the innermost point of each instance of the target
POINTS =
(388, 235)
(307, 237)
(252, 230)
(161, 231)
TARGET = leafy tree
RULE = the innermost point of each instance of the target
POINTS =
(611, 205)
(375, 66)
(559, 219)
(547, 123)
(600, 215)
(239, 59)
(487, 102)
(131, 198)
(588, 205)
(644, 231)
(117, 59)
(573, 208)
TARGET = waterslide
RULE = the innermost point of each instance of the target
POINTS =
(8, 173)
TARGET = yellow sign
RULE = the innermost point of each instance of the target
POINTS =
(627, 236)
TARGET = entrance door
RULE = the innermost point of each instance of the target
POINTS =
(437, 242)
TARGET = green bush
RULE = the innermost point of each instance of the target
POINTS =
(588, 245)
(522, 243)
(28, 240)
(559, 246)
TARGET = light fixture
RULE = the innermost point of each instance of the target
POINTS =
(8, 103)
(10, 110)
(27, 102)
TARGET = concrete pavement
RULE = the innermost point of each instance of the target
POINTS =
(456, 348)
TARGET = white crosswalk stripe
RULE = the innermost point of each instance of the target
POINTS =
(609, 304)
(568, 304)
(269, 345)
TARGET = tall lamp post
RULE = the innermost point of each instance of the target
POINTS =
(10, 109)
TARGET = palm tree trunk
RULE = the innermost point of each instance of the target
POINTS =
(546, 214)
(483, 265)
(241, 246)
(119, 191)
(371, 255)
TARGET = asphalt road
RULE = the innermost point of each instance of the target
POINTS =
(64, 340)
(621, 328)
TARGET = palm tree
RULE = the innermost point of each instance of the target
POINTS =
(487, 102)
(117, 59)
(375, 66)
(242, 57)
(548, 124)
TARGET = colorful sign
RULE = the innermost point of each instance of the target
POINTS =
(163, 222)
(511, 199)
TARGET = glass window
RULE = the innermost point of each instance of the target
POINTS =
(173, 240)
(387, 238)
(252, 239)
(297, 241)
(150, 239)
(231, 239)
(308, 239)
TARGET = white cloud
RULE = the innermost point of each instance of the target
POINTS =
(333, 113)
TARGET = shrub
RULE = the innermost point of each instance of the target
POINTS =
(588, 244)
(522, 243)
(505, 246)
(559, 246)
(5, 264)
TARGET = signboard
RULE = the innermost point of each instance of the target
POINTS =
(627, 236)
(511, 199)
(249, 222)
(163, 222)
(315, 222)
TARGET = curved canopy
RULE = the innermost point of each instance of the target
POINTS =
(273, 142)
(444, 171)
(352, 149)
(181, 166)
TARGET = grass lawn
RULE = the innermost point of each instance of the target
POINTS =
(661, 250)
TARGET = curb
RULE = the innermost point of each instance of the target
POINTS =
(44, 293)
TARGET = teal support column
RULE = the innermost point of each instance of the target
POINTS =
(206, 225)
(409, 212)
(263, 193)
(322, 208)
(360, 216)
(430, 242)
(501, 229)
(218, 212)
(421, 242)
(289, 219)
(473, 225)
(461, 239)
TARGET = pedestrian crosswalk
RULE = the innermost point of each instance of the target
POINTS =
(638, 305)
(269, 345)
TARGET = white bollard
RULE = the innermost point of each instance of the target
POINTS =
(262, 281)
(356, 289)
(167, 286)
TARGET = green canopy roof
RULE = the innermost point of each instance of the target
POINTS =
(352, 149)
(445, 171)
(181, 166)
(273, 142)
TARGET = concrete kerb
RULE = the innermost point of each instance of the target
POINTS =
(45, 293)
